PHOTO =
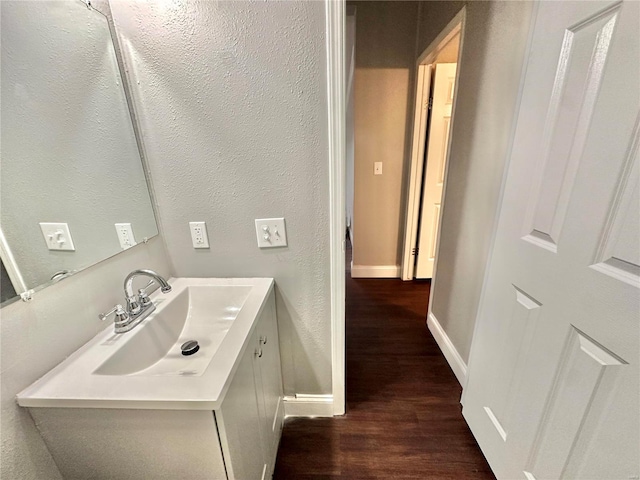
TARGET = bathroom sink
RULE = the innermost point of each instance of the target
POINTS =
(197, 313)
(146, 368)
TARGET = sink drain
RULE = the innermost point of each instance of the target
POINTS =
(190, 347)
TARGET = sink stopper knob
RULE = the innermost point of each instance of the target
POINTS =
(190, 347)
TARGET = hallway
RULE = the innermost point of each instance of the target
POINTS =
(403, 413)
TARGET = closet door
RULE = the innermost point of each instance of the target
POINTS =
(437, 144)
(553, 385)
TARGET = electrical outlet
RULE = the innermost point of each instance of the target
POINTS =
(125, 235)
(377, 168)
(271, 232)
(57, 236)
(199, 236)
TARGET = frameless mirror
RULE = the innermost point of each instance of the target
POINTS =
(73, 190)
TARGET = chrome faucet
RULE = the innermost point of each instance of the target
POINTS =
(139, 306)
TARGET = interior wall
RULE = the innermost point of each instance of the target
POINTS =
(384, 87)
(37, 336)
(233, 107)
(493, 53)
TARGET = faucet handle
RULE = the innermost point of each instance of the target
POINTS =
(118, 310)
(143, 296)
(143, 290)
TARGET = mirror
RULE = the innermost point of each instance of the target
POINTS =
(73, 190)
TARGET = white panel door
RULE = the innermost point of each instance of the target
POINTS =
(418, 146)
(553, 382)
(437, 144)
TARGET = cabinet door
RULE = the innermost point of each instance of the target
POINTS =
(239, 421)
(269, 379)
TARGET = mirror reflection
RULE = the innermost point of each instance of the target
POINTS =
(72, 187)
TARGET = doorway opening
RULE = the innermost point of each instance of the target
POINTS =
(385, 151)
(436, 87)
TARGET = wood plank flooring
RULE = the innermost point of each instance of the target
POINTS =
(404, 417)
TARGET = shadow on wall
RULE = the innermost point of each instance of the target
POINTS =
(298, 362)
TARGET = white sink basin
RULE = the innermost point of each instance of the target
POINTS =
(202, 313)
(144, 368)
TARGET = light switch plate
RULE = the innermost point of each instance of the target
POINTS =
(377, 168)
(125, 235)
(57, 236)
(271, 232)
(199, 237)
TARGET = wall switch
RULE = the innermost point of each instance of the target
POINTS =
(199, 236)
(57, 236)
(125, 235)
(377, 168)
(271, 232)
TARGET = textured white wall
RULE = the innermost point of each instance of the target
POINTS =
(232, 102)
(492, 57)
(68, 149)
(36, 336)
(384, 79)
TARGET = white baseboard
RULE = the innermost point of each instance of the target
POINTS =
(375, 271)
(303, 405)
(448, 349)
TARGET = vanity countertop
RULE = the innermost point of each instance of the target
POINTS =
(76, 383)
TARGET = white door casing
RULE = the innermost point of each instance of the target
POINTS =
(553, 382)
(437, 146)
(418, 146)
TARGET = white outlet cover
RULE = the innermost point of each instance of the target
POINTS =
(125, 235)
(377, 168)
(271, 232)
(199, 237)
(57, 236)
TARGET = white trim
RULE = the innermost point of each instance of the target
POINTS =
(428, 56)
(455, 26)
(375, 271)
(335, 33)
(430, 53)
(304, 405)
(448, 349)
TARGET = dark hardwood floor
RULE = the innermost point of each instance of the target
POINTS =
(404, 417)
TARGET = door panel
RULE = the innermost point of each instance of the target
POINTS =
(239, 424)
(618, 255)
(270, 377)
(553, 389)
(418, 146)
(577, 79)
(437, 144)
(584, 364)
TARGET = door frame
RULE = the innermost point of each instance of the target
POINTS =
(416, 168)
(336, 105)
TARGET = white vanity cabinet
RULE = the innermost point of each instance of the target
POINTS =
(232, 435)
(250, 419)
